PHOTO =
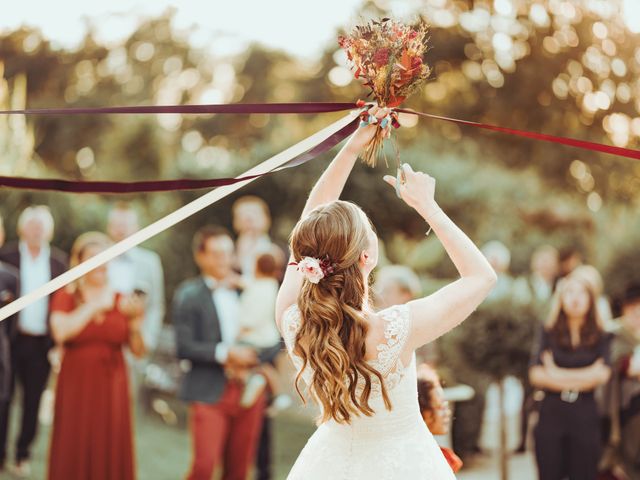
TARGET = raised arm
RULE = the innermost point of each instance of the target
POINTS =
(133, 306)
(332, 181)
(327, 189)
(438, 313)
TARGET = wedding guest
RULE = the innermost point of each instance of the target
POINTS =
(538, 290)
(570, 258)
(205, 316)
(435, 410)
(544, 270)
(570, 361)
(625, 386)
(395, 285)
(92, 436)
(257, 324)
(9, 283)
(591, 275)
(499, 258)
(37, 262)
(467, 425)
(139, 271)
(251, 222)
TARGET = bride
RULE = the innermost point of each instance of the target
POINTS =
(359, 364)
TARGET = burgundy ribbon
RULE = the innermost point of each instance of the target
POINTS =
(79, 186)
(242, 108)
(598, 147)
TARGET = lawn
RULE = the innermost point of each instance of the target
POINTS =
(163, 451)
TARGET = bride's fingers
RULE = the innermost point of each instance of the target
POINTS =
(407, 168)
(394, 182)
(390, 180)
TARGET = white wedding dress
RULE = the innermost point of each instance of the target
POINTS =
(391, 444)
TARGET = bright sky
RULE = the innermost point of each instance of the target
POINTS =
(299, 26)
(302, 27)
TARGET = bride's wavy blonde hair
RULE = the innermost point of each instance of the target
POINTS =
(331, 338)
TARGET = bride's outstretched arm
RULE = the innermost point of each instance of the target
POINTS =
(438, 313)
(328, 188)
(331, 183)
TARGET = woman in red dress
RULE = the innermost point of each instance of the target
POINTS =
(92, 435)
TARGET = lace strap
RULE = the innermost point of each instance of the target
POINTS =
(397, 327)
(290, 325)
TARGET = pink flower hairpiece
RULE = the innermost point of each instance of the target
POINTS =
(315, 269)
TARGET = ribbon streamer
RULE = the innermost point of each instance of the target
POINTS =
(573, 142)
(299, 152)
(167, 185)
(296, 155)
(224, 108)
(79, 186)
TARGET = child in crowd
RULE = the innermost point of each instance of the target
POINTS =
(257, 324)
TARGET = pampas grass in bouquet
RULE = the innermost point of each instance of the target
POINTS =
(388, 56)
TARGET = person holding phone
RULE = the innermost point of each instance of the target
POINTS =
(92, 432)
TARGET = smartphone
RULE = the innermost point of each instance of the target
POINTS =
(138, 292)
(6, 297)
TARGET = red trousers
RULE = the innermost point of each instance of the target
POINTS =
(225, 432)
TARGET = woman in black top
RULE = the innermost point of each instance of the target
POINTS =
(570, 362)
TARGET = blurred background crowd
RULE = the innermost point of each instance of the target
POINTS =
(542, 211)
(87, 361)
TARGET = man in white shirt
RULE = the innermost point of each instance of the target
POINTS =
(37, 263)
(205, 317)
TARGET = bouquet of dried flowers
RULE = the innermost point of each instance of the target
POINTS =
(387, 55)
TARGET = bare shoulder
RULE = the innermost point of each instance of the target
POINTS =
(285, 316)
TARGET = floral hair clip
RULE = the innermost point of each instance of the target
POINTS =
(315, 269)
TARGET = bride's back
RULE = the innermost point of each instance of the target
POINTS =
(386, 352)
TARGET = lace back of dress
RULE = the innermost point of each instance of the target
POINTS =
(389, 359)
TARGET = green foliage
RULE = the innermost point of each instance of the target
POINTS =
(498, 338)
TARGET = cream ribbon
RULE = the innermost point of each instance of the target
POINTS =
(171, 219)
